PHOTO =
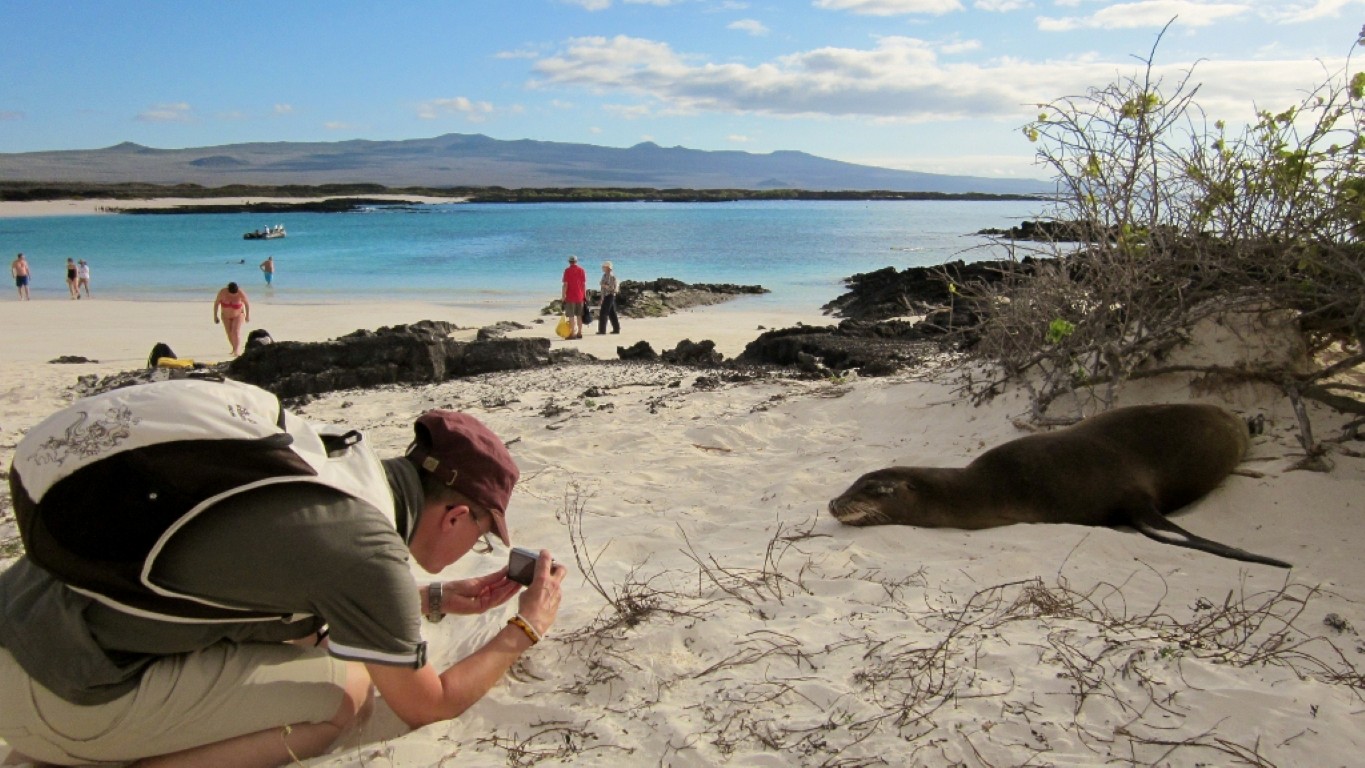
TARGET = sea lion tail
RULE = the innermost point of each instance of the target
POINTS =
(1154, 525)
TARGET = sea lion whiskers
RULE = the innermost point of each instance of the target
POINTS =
(867, 501)
(858, 513)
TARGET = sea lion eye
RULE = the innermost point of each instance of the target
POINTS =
(882, 489)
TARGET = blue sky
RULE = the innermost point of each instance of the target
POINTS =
(930, 85)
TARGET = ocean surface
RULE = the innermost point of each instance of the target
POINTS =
(515, 253)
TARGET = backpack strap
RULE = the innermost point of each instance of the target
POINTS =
(336, 444)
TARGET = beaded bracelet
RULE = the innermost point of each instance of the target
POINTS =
(526, 627)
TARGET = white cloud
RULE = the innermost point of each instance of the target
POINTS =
(890, 7)
(738, 138)
(899, 79)
(1001, 6)
(178, 112)
(474, 111)
(283, 109)
(628, 111)
(337, 125)
(752, 26)
(960, 46)
(524, 53)
(1145, 14)
(1299, 13)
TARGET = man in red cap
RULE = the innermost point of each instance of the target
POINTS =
(82, 681)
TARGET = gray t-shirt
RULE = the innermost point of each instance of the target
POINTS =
(292, 548)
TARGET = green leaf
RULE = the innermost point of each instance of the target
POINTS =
(1059, 329)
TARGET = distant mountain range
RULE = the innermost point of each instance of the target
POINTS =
(475, 160)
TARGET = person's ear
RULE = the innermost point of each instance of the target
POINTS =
(450, 515)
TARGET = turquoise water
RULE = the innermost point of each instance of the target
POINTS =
(457, 253)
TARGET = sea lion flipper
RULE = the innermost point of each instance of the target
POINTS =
(1155, 525)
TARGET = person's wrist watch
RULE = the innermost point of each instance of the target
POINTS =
(435, 593)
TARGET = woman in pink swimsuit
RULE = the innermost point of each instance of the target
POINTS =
(235, 308)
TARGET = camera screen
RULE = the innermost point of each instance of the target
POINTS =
(521, 565)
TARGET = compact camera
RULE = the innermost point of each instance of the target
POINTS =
(521, 565)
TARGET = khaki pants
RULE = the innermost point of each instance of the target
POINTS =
(182, 701)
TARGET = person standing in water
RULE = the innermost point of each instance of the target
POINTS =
(268, 268)
(71, 279)
(235, 308)
(19, 270)
(83, 278)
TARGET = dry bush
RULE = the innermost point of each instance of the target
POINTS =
(630, 601)
(1183, 221)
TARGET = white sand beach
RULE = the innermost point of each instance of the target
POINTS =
(715, 613)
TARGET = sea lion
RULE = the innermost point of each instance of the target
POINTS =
(1129, 466)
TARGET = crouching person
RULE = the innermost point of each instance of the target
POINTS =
(269, 611)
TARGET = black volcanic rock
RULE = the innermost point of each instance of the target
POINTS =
(405, 354)
(1047, 232)
(664, 296)
(887, 293)
(688, 352)
(874, 349)
(640, 350)
(330, 205)
(499, 329)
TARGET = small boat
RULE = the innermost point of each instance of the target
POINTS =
(269, 233)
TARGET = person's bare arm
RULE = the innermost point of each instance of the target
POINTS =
(421, 696)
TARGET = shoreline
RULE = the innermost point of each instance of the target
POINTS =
(116, 331)
(14, 209)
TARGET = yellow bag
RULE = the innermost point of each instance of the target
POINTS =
(563, 329)
(174, 362)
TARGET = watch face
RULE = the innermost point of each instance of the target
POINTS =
(434, 594)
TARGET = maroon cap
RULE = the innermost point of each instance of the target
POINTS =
(468, 457)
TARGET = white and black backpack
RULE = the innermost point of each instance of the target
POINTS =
(101, 486)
